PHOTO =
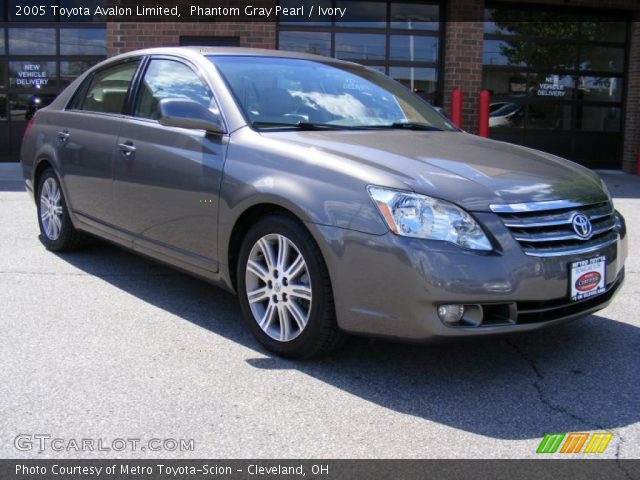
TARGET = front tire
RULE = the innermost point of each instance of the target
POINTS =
(285, 291)
(57, 231)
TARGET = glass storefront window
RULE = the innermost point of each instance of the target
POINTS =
(32, 75)
(318, 43)
(506, 115)
(412, 16)
(598, 29)
(362, 14)
(607, 89)
(3, 107)
(360, 46)
(70, 70)
(599, 119)
(505, 83)
(500, 52)
(549, 116)
(603, 59)
(506, 21)
(559, 70)
(422, 81)
(32, 41)
(548, 55)
(20, 106)
(37, 61)
(413, 48)
(83, 41)
(551, 86)
(553, 25)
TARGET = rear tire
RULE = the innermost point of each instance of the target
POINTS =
(57, 232)
(285, 291)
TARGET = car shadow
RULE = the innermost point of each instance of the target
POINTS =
(575, 377)
(11, 186)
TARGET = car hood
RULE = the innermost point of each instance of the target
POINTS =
(471, 171)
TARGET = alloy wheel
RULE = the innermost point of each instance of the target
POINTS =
(278, 287)
(51, 208)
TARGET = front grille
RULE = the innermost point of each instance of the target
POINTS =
(545, 229)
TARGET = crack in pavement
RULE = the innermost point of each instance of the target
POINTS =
(537, 384)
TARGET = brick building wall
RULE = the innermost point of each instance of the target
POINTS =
(463, 57)
(124, 37)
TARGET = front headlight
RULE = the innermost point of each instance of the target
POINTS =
(413, 215)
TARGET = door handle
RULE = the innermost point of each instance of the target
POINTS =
(63, 136)
(126, 149)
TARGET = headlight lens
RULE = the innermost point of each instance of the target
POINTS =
(413, 215)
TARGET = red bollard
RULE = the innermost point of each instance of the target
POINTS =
(483, 113)
(456, 107)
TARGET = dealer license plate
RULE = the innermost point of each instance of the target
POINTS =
(588, 278)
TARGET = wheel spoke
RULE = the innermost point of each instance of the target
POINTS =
(296, 268)
(57, 225)
(300, 291)
(267, 253)
(49, 228)
(285, 327)
(258, 295)
(267, 318)
(283, 253)
(296, 312)
(258, 270)
(56, 195)
(44, 215)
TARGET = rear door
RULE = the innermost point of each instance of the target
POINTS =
(167, 179)
(87, 136)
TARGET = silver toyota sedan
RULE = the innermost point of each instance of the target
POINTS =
(329, 197)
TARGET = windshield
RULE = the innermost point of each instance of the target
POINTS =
(295, 93)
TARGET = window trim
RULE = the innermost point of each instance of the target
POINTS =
(86, 83)
(136, 84)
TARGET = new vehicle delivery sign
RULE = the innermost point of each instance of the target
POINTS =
(587, 278)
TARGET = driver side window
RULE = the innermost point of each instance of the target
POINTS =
(169, 79)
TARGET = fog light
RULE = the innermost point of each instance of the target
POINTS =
(451, 313)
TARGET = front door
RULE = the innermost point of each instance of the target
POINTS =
(166, 179)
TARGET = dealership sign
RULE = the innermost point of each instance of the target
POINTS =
(551, 87)
(32, 74)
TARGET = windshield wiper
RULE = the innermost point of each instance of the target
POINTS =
(413, 126)
(298, 126)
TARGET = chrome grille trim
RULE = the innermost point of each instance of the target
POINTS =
(540, 206)
(548, 232)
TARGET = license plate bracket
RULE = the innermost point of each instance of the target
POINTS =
(587, 278)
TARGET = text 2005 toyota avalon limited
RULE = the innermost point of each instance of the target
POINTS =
(329, 197)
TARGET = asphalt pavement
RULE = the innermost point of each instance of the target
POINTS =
(102, 344)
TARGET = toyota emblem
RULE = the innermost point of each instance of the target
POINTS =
(581, 225)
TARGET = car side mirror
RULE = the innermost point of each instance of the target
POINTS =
(183, 113)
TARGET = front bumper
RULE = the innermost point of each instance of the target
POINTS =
(391, 286)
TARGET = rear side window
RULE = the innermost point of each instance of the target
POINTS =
(107, 91)
(169, 79)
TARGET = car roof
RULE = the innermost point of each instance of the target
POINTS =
(237, 51)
